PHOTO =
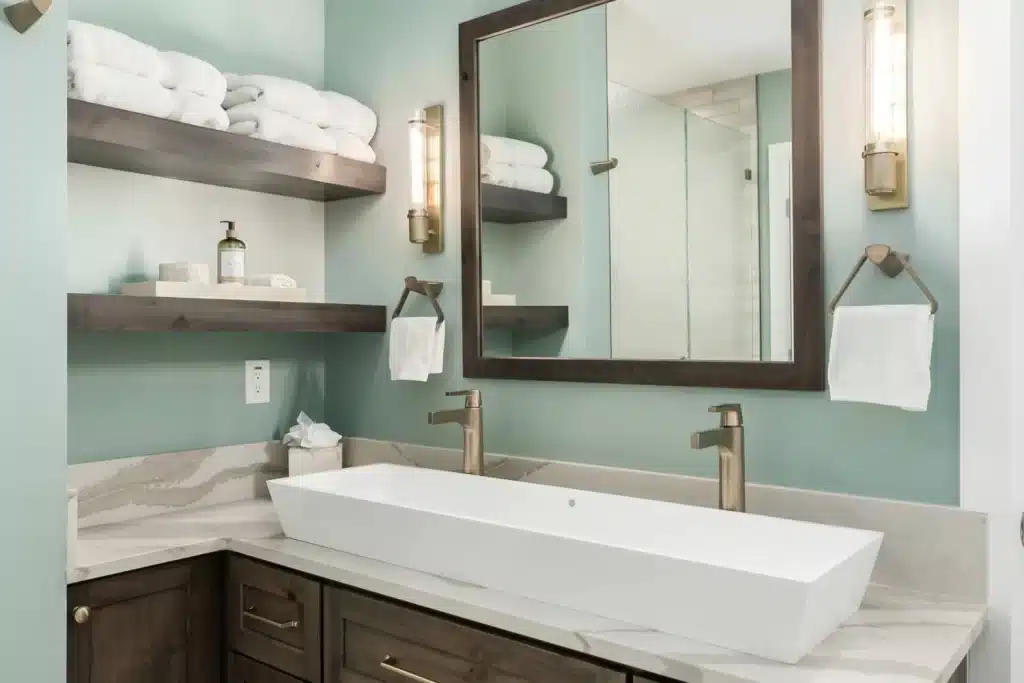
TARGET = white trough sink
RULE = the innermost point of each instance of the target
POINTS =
(765, 586)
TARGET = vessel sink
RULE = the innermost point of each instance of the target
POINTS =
(769, 587)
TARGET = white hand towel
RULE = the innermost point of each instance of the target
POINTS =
(280, 94)
(519, 177)
(191, 74)
(350, 146)
(412, 348)
(259, 121)
(499, 150)
(277, 280)
(107, 47)
(882, 354)
(346, 113)
(104, 85)
(437, 362)
(199, 111)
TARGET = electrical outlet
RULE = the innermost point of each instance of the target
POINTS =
(257, 381)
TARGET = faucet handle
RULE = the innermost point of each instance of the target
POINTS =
(732, 414)
(473, 397)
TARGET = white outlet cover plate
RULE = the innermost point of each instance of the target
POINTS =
(257, 381)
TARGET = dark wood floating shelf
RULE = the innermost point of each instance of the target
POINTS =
(507, 205)
(112, 313)
(534, 318)
(125, 141)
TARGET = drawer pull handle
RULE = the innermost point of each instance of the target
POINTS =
(283, 625)
(390, 664)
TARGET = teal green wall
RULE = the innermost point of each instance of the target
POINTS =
(774, 125)
(32, 493)
(140, 394)
(250, 36)
(399, 56)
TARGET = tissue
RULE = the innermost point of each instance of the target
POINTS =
(309, 434)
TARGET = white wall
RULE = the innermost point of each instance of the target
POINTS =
(123, 225)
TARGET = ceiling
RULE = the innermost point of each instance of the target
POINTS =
(664, 46)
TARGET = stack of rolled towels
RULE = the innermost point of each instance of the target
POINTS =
(294, 113)
(110, 68)
(515, 163)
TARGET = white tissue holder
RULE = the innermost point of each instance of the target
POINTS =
(312, 460)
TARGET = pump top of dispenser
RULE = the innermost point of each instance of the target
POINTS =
(231, 227)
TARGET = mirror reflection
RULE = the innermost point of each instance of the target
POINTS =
(636, 175)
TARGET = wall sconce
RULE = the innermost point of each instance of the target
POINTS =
(885, 97)
(426, 154)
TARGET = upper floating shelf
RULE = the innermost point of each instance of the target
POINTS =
(506, 205)
(125, 141)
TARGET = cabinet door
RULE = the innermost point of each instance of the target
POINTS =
(244, 670)
(159, 625)
(369, 640)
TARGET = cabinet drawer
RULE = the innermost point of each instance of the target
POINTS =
(369, 639)
(244, 670)
(273, 617)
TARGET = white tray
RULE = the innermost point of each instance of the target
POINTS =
(195, 290)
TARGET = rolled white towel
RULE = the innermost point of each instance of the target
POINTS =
(276, 280)
(259, 121)
(113, 88)
(350, 146)
(519, 177)
(499, 150)
(89, 43)
(346, 113)
(199, 111)
(280, 94)
(193, 75)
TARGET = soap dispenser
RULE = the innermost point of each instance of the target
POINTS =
(231, 258)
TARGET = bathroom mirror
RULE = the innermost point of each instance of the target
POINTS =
(641, 190)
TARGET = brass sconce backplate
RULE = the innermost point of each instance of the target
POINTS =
(435, 180)
(900, 199)
(25, 14)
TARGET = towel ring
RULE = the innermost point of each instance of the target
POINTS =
(890, 262)
(429, 289)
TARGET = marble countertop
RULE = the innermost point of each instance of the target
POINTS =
(896, 637)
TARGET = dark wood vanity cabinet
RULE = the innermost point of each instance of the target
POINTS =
(368, 639)
(159, 625)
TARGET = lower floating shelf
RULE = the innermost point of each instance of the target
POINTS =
(113, 313)
(537, 318)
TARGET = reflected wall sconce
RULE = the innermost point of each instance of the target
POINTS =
(426, 171)
(23, 15)
(885, 97)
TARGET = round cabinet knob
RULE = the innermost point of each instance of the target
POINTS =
(81, 615)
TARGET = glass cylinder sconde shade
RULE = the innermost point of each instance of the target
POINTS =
(885, 102)
(425, 176)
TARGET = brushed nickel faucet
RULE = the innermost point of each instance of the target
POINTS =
(728, 438)
(472, 420)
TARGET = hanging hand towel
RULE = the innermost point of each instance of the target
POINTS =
(412, 352)
(882, 354)
(199, 111)
(110, 87)
(88, 43)
(191, 74)
(346, 113)
(519, 177)
(351, 147)
(280, 94)
(499, 150)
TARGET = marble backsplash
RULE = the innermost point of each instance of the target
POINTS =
(933, 549)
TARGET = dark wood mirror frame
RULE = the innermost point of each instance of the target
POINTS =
(806, 372)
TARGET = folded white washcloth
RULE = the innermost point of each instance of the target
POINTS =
(191, 74)
(199, 111)
(89, 43)
(350, 146)
(519, 177)
(882, 354)
(259, 121)
(416, 349)
(499, 150)
(280, 94)
(113, 88)
(346, 113)
(277, 280)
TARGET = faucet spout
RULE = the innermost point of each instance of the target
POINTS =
(443, 417)
(707, 439)
(470, 419)
(728, 439)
